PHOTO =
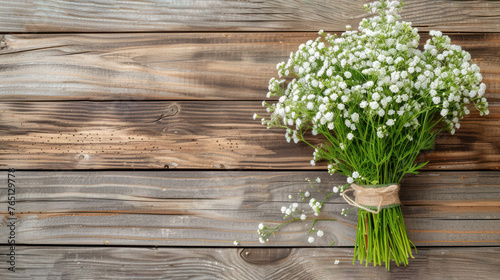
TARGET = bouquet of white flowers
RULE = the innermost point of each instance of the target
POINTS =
(377, 101)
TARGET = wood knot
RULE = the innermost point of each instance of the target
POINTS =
(219, 166)
(171, 111)
(170, 165)
(83, 156)
(3, 43)
(265, 255)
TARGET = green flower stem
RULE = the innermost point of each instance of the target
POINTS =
(314, 223)
(280, 225)
(381, 238)
(295, 220)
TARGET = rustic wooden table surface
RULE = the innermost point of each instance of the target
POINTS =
(129, 124)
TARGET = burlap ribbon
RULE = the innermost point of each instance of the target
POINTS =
(367, 197)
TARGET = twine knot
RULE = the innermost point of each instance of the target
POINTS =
(367, 197)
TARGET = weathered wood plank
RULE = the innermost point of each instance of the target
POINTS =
(183, 208)
(238, 263)
(214, 66)
(191, 134)
(220, 15)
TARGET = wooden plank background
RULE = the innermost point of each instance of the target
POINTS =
(223, 15)
(191, 134)
(172, 66)
(130, 124)
(210, 208)
(236, 263)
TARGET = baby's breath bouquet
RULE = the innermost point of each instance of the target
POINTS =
(376, 101)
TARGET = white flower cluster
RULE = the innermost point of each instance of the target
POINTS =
(315, 206)
(293, 213)
(289, 210)
(343, 212)
(375, 76)
(319, 233)
(262, 233)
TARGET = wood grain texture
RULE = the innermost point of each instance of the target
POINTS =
(191, 134)
(106, 95)
(184, 208)
(202, 66)
(239, 263)
(224, 15)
